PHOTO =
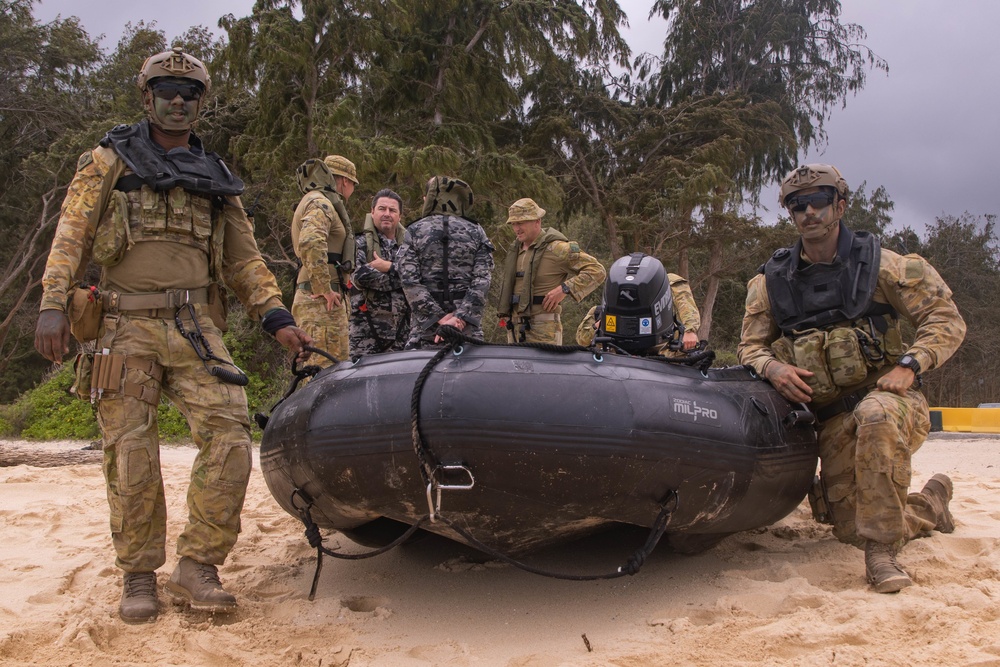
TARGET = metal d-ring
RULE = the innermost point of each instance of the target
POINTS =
(459, 349)
(599, 358)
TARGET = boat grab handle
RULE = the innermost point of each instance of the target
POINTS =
(434, 505)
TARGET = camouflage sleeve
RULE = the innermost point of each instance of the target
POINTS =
(587, 274)
(472, 306)
(759, 329)
(916, 290)
(585, 331)
(425, 310)
(685, 308)
(365, 276)
(314, 243)
(86, 199)
(243, 269)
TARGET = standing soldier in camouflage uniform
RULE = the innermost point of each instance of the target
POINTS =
(380, 316)
(445, 264)
(685, 312)
(323, 241)
(822, 326)
(163, 218)
(543, 267)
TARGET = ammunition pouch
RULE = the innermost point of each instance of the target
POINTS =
(106, 374)
(113, 237)
(85, 313)
(809, 352)
(83, 367)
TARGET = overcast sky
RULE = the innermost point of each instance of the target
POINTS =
(929, 130)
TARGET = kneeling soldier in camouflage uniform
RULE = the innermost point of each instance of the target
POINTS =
(380, 316)
(543, 267)
(822, 326)
(445, 264)
(163, 218)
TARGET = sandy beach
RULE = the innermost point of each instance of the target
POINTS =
(788, 594)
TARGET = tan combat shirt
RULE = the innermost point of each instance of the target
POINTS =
(316, 231)
(582, 274)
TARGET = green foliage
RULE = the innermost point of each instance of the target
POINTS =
(49, 412)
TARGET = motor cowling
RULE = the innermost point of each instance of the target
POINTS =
(638, 308)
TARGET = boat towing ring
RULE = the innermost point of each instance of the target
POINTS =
(598, 357)
(459, 349)
(434, 506)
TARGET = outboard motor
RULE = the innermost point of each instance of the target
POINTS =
(638, 309)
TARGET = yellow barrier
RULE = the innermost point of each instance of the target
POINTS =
(969, 420)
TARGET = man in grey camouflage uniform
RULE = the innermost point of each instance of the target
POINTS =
(163, 219)
(445, 265)
(822, 326)
(380, 316)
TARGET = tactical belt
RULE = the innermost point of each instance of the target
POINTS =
(307, 286)
(457, 295)
(541, 317)
(153, 304)
(843, 404)
(535, 300)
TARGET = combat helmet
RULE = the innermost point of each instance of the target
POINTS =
(174, 63)
(810, 176)
(315, 174)
(447, 195)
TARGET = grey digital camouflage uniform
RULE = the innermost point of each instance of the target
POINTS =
(380, 315)
(427, 282)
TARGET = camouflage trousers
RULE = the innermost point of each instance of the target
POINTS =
(330, 330)
(548, 331)
(217, 415)
(376, 332)
(865, 457)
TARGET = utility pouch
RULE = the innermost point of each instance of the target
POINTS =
(844, 357)
(106, 375)
(218, 306)
(809, 351)
(84, 312)
(83, 366)
(113, 237)
(819, 503)
(892, 342)
(782, 349)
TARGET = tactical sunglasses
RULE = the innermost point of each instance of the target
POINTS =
(817, 200)
(168, 90)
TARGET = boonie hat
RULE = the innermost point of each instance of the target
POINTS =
(524, 210)
(341, 166)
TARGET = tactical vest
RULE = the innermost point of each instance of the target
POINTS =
(830, 322)
(522, 302)
(195, 170)
(339, 255)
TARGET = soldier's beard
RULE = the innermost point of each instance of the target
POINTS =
(820, 231)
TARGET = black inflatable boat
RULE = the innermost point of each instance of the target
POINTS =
(524, 447)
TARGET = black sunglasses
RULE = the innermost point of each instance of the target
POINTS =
(817, 200)
(168, 90)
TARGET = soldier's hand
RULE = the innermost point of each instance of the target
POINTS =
(898, 380)
(52, 335)
(553, 299)
(332, 299)
(790, 381)
(690, 340)
(381, 265)
(292, 339)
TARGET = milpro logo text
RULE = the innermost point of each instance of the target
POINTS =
(699, 412)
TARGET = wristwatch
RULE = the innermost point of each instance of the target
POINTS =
(909, 361)
(565, 288)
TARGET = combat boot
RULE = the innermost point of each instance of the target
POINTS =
(139, 603)
(198, 584)
(882, 570)
(938, 490)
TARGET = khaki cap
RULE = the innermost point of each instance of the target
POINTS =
(524, 210)
(341, 166)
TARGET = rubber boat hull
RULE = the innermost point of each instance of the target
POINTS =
(559, 445)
